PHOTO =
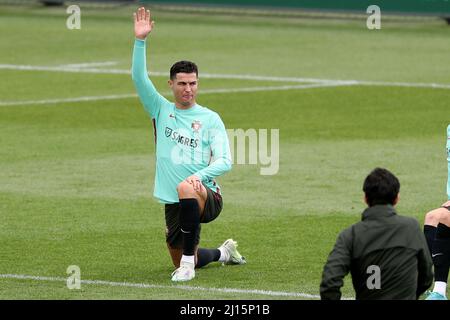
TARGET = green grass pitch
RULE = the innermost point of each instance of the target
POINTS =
(76, 178)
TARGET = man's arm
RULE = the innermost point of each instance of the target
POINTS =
(220, 149)
(336, 268)
(150, 98)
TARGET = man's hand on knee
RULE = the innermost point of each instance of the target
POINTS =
(196, 182)
(192, 187)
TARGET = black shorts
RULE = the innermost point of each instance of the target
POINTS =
(174, 236)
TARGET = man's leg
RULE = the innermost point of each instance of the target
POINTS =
(175, 254)
(431, 222)
(440, 251)
(206, 256)
(174, 238)
(226, 253)
(203, 256)
(441, 255)
(192, 204)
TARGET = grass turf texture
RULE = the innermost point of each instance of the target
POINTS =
(76, 178)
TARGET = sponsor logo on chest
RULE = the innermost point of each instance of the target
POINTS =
(180, 138)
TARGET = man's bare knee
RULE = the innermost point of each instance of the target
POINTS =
(186, 190)
(445, 217)
(433, 217)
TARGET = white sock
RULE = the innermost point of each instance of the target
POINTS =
(188, 259)
(224, 256)
(440, 287)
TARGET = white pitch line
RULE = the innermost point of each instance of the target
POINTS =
(265, 78)
(133, 95)
(89, 64)
(157, 286)
(63, 69)
(404, 84)
(231, 76)
(66, 68)
(78, 99)
(273, 88)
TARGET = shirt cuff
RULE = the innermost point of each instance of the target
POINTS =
(139, 42)
(199, 175)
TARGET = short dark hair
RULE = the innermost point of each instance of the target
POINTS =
(381, 187)
(183, 66)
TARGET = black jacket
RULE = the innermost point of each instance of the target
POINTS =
(383, 244)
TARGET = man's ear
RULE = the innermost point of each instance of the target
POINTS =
(397, 199)
(170, 82)
(365, 199)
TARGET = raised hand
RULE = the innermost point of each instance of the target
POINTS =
(142, 23)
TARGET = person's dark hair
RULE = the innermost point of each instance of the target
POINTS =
(184, 67)
(381, 187)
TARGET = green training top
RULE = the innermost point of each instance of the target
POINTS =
(188, 142)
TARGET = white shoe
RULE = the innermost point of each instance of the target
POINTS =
(232, 255)
(185, 272)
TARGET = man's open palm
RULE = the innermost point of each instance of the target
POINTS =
(142, 23)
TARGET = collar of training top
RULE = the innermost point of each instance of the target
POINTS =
(379, 210)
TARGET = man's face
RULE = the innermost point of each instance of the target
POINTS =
(184, 88)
